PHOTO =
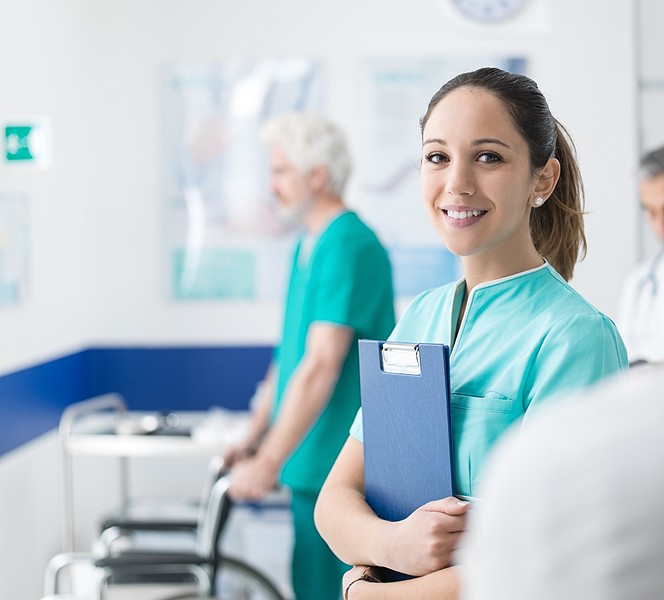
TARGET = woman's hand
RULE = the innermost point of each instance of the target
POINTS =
(423, 542)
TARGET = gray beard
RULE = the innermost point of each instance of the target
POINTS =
(295, 213)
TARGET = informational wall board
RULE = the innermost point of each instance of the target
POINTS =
(224, 238)
(13, 248)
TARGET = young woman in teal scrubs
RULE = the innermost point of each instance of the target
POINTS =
(502, 188)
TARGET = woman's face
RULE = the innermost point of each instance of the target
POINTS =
(476, 177)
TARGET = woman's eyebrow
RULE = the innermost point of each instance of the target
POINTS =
(478, 142)
(482, 141)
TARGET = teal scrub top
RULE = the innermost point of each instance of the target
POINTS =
(523, 339)
(345, 279)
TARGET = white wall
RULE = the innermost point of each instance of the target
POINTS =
(28, 517)
(96, 219)
(40, 74)
(96, 262)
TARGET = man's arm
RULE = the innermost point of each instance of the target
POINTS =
(308, 392)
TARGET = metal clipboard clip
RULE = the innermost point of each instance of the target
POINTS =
(401, 358)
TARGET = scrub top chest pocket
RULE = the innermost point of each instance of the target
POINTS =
(477, 422)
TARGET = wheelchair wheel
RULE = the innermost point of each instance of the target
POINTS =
(236, 580)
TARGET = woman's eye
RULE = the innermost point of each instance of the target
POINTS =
(435, 158)
(489, 157)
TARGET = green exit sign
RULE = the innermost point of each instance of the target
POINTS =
(17, 142)
(26, 143)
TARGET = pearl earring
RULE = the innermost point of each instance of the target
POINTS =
(539, 201)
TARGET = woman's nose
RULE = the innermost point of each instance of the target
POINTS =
(459, 180)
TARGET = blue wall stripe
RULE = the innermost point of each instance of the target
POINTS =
(32, 400)
(177, 378)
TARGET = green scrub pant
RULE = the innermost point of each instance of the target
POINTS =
(316, 571)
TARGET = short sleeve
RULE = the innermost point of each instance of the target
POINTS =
(576, 353)
(357, 428)
(351, 280)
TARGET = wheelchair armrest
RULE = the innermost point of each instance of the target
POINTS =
(135, 559)
(112, 536)
(129, 525)
(60, 562)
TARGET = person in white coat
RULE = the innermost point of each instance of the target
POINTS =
(572, 506)
(641, 314)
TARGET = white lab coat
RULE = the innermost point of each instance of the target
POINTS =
(641, 316)
(573, 503)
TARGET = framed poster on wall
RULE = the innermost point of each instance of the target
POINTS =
(224, 238)
(13, 248)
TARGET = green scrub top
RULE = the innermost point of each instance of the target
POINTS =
(346, 279)
(523, 339)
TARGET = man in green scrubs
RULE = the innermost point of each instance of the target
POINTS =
(340, 291)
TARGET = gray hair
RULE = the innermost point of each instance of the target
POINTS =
(309, 141)
(652, 164)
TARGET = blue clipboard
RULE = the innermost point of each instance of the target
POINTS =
(405, 393)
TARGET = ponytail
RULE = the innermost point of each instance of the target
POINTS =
(557, 226)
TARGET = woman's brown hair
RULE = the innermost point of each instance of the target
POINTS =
(557, 226)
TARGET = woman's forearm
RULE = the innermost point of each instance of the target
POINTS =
(344, 519)
(353, 532)
(440, 585)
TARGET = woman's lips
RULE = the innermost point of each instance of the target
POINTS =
(463, 217)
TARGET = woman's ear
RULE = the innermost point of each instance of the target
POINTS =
(546, 181)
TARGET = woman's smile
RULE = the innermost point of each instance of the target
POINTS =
(462, 216)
